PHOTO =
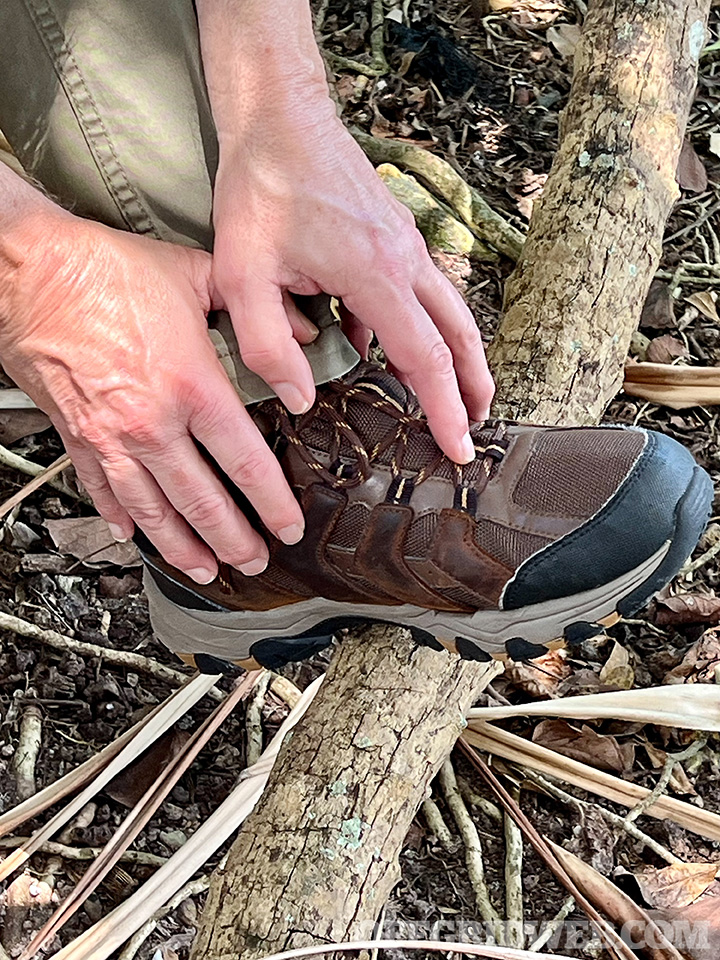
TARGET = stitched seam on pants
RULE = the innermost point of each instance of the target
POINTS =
(89, 120)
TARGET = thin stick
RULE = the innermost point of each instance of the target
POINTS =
(191, 889)
(46, 475)
(122, 658)
(473, 848)
(563, 913)
(613, 943)
(135, 742)
(440, 946)
(665, 777)
(22, 465)
(68, 852)
(630, 828)
(513, 879)
(253, 719)
(436, 824)
(27, 751)
(139, 816)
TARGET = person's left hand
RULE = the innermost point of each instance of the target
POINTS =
(299, 208)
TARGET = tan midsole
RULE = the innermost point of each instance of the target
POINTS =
(230, 635)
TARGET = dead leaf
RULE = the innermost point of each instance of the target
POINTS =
(585, 745)
(565, 38)
(618, 906)
(701, 663)
(129, 786)
(715, 143)
(89, 539)
(686, 608)
(676, 885)
(665, 349)
(705, 302)
(691, 174)
(16, 424)
(541, 677)
(616, 671)
(658, 311)
(697, 926)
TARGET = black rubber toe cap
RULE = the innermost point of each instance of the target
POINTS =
(665, 497)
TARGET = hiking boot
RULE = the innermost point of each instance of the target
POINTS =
(547, 537)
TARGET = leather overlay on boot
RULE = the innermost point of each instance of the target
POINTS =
(390, 520)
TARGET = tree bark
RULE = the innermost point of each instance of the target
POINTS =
(595, 239)
(319, 856)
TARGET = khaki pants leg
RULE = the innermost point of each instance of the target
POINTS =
(104, 103)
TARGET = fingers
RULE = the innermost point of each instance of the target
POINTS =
(415, 347)
(458, 329)
(95, 482)
(134, 486)
(303, 330)
(267, 345)
(227, 432)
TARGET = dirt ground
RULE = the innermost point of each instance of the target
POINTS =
(481, 84)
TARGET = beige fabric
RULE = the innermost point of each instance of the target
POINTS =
(104, 103)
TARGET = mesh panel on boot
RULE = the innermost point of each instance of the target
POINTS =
(564, 478)
(508, 546)
(419, 536)
(350, 527)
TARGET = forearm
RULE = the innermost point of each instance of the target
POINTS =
(260, 57)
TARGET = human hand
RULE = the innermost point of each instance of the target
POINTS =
(107, 332)
(298, 207)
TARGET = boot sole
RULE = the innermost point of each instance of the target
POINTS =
(275, 637)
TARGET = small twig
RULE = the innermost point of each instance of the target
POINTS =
(46, 475)
(491, 810)
(286, 690)
(563, 913)
(191, 889)
(613, 942)
(635, 832)
(473, 848)
(253, 719)
(28, 748)
(664, 781)
(68, 852)
(122, 658)
(377, 36)
(436, 824)
(513, 879)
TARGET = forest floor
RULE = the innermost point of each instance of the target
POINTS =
(482, 85)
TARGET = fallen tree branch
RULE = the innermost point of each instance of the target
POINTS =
(122, 658)
(465, 200)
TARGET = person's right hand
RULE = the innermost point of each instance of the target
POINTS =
(107, 332)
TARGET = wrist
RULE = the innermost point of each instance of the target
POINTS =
(32, 232)
(262, 65)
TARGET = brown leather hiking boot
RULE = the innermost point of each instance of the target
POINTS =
(548, 535)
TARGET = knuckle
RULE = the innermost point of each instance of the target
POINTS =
(151, 516)
(262, 359)
(439, 359)
(206, 510)
(252, 468)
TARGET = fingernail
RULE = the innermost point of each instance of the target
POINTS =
(292, 398)
(292, 533)
(310, 328)
(468, 448)
(117, 533)
(201, 575)
(253, 567)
